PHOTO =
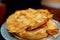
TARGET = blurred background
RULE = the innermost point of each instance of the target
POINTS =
(8, 7)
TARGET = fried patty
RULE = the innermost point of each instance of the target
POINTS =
(31, 23)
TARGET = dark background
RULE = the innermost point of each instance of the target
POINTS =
(13, 5)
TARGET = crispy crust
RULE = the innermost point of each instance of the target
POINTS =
(30, 18)
(41, 36)
(31, 24)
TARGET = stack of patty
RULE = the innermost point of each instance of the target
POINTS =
(31, 24)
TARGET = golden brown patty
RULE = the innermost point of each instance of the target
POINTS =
(31, 24)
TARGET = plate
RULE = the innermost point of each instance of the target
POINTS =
(7, 36)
